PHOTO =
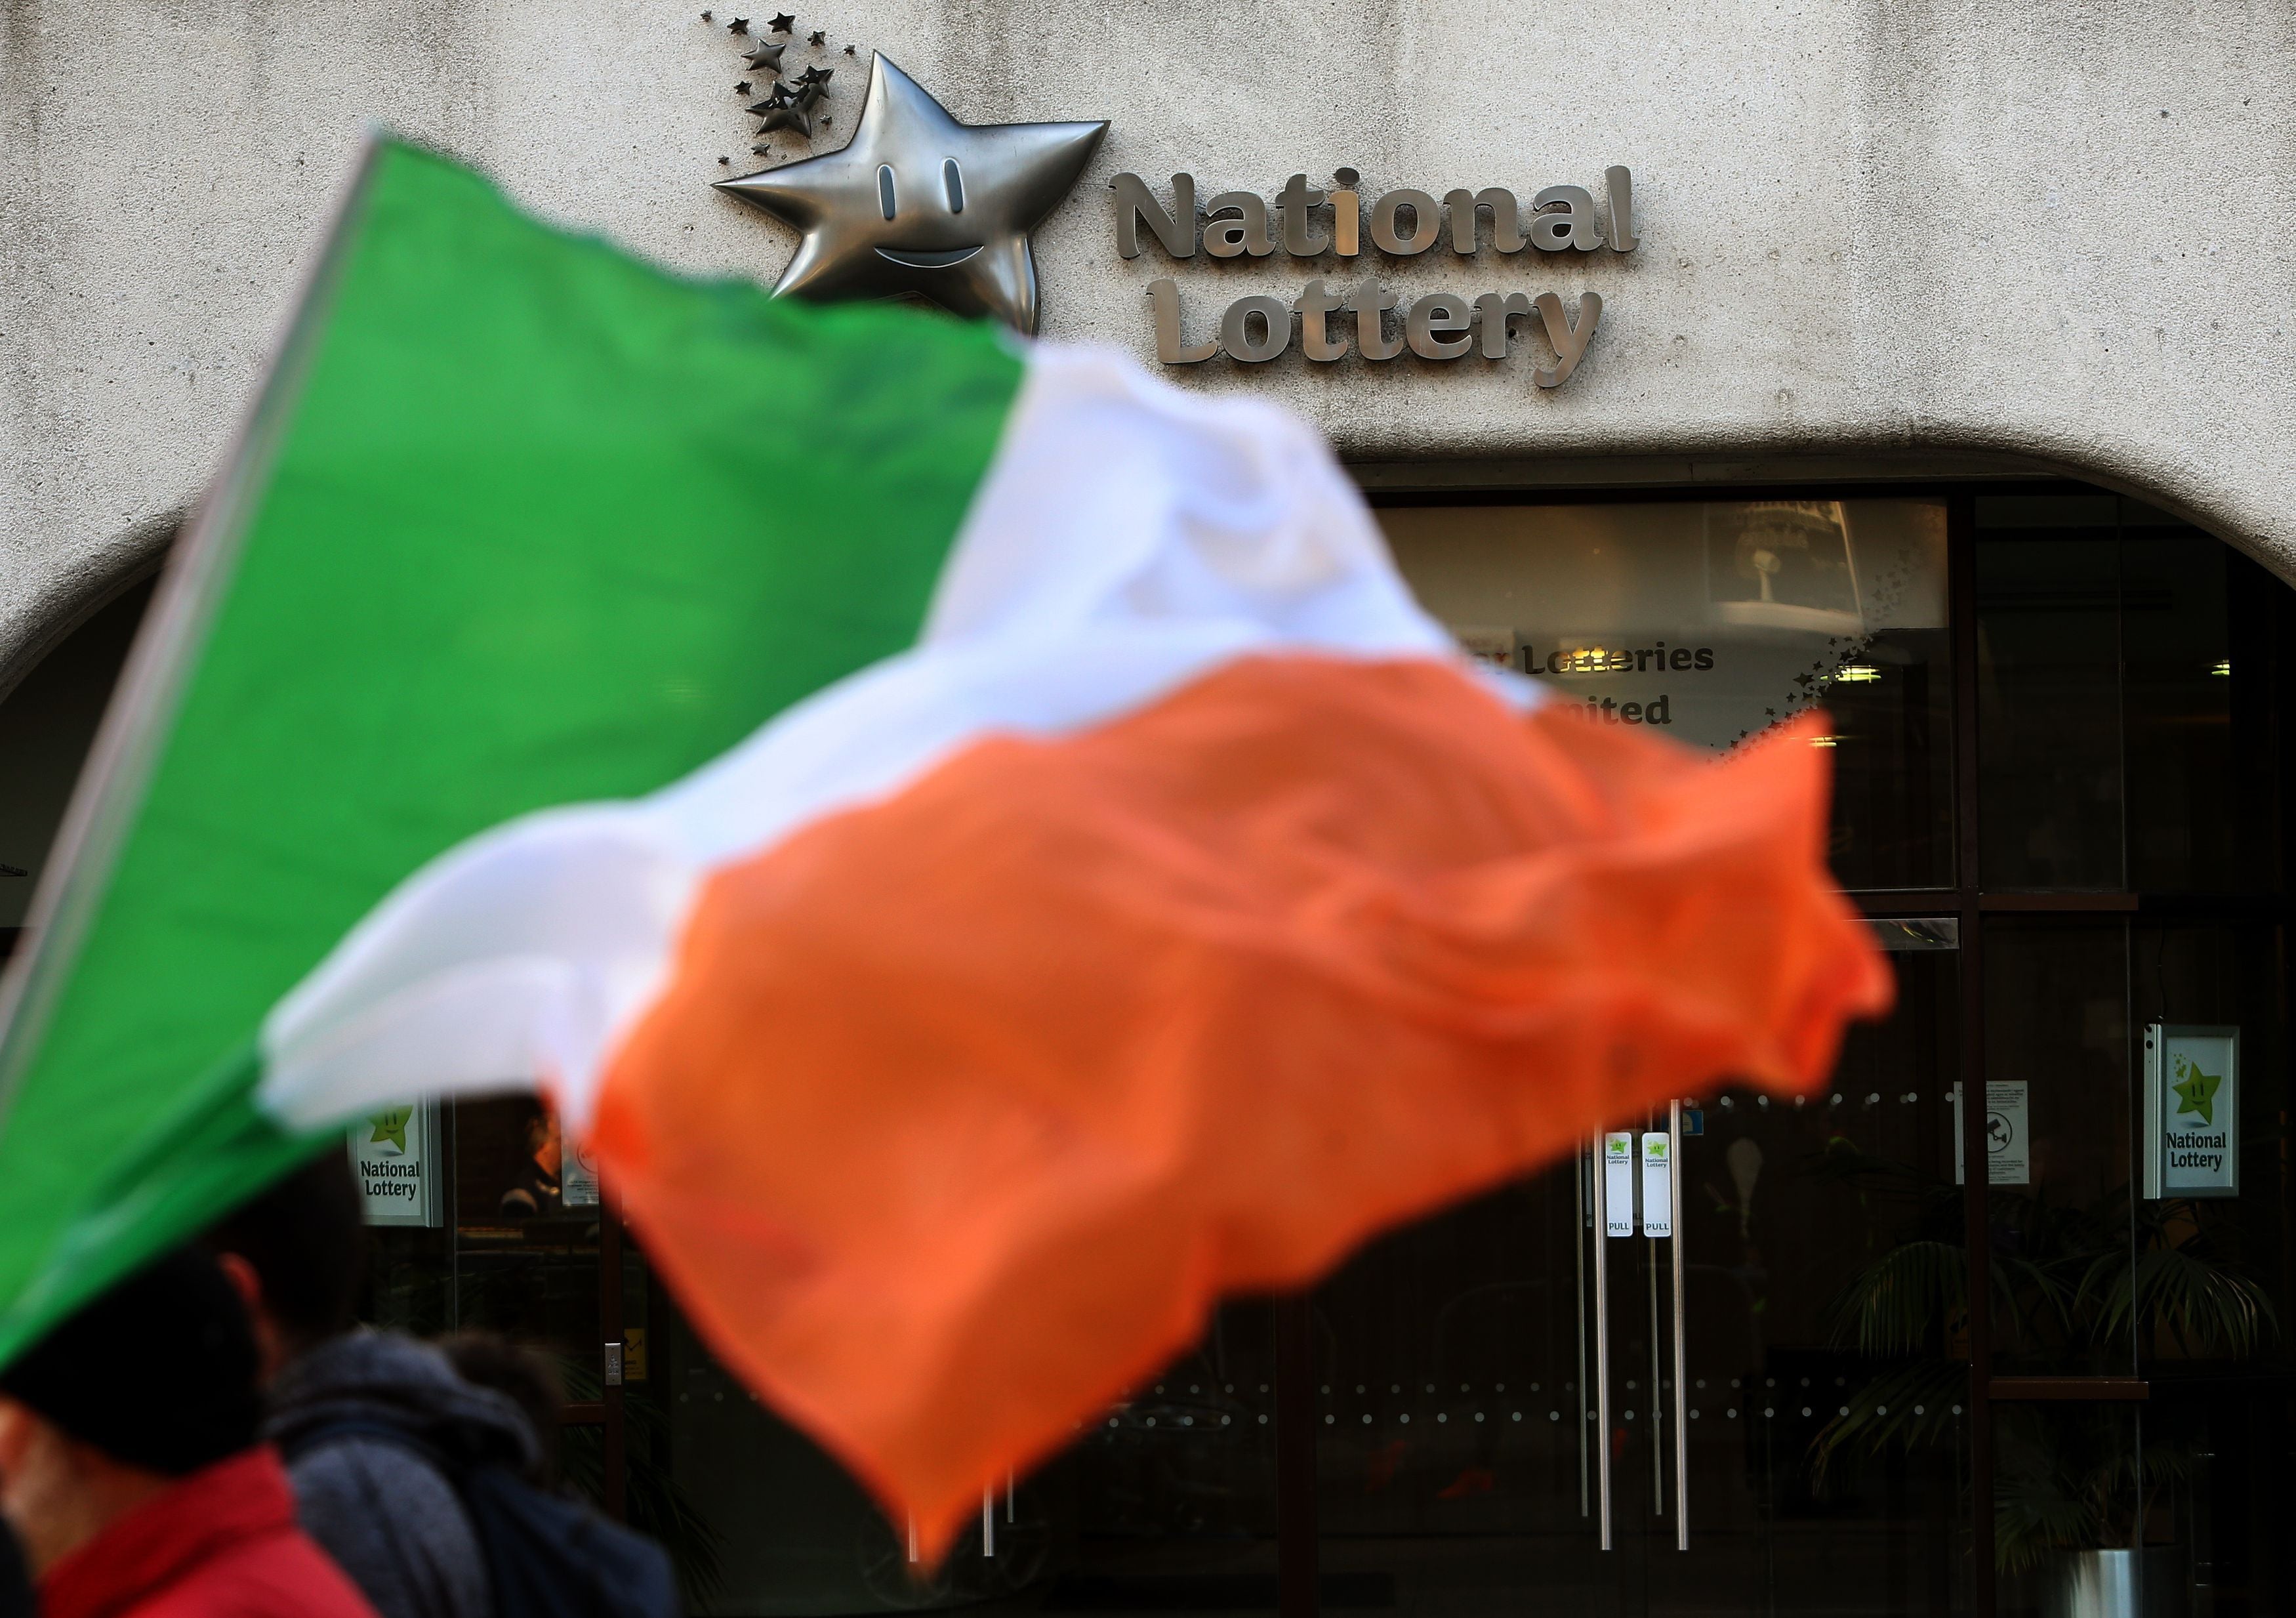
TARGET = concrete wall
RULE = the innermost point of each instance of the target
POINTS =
(2050, 231)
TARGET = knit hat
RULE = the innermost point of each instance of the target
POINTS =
(160, 1372)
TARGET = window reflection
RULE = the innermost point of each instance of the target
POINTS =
(1708, 623)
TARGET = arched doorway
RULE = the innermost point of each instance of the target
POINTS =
(2061, 734)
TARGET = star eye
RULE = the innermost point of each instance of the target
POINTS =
(885, 189)
(952, 179)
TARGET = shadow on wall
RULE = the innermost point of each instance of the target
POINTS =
(47, 724)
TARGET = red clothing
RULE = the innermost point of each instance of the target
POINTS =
(222, 1543)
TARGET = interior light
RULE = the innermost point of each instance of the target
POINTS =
(2221, 667)
(1858, 674)
(1823, 741)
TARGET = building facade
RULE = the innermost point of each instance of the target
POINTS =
(1929, 365)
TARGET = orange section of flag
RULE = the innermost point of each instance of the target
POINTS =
(962, 1109)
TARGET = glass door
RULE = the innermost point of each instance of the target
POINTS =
(1646, 1381)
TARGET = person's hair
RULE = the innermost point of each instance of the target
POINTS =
(487, 1360)
(305, 1237)
(160, 1372)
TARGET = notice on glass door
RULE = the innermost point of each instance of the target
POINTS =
(1658, 1186)
(1618, 1185)
(2008, 1135)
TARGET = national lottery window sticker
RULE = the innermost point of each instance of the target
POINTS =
(397, 1157)
(2191, 1111)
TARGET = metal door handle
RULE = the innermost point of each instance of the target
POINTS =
(1681, 1349)
(1585, 1228)
(1599, 1229)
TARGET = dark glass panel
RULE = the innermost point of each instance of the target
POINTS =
(1165, 1503)
(525, 1264)
(2058, 1068)
(2200, 641)
(2049, 740)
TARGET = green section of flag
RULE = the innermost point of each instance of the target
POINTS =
(540, 525)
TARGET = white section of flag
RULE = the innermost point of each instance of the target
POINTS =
(1127, 539)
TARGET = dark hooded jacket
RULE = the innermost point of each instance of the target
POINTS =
(388, 1515)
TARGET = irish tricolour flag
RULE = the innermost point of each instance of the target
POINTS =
(981, 844)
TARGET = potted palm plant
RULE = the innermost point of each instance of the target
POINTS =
(2079, 1506)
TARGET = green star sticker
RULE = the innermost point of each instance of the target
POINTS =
(390, 1127)
(2196, 1092)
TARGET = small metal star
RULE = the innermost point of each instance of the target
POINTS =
(849, 50)
(724, 162)
(782, 109)
(707, 18)
(816, 76)
(743, 88)
(783, 23)
(764, 59)
(740, 25)
(817, 39)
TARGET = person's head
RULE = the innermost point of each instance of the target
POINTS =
(487, 1360)
(542, 1140)
(298, 1254)
(149, 1383)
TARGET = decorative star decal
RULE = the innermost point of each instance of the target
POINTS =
(2196, 1092)
(765, 58)
(390, 1127)
(918, 204)
(783, 23)
(816, 39)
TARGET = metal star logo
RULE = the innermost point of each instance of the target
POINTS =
(919, 203)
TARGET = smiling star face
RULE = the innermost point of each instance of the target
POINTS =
(918, 204)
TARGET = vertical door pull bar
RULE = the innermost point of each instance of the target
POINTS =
(1585, 1231)
(1601, 1235)
(1658, 1226)
(1681, 1338)
(988, 1523)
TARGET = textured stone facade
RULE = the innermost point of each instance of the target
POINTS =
(1892, 237)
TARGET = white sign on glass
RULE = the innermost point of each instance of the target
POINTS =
(2191, 1111)
(1657, 1184)
(2008, 1134)
(1618, 1185)
(399, 1155)
(578, 1180)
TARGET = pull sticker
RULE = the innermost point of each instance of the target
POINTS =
(1658, 1186)
(1618, 1185)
